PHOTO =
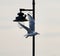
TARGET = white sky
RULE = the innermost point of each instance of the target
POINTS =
(12, 41)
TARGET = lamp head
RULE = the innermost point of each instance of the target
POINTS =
(20, 18)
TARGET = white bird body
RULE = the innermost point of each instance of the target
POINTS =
(30, 30)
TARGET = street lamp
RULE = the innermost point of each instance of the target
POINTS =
(22, 18)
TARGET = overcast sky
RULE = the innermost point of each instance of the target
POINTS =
(12, 40)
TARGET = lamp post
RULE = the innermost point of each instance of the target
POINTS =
(33, 54)
(23, 19)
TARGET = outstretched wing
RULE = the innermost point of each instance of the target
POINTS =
(26, 28)
(31, 22)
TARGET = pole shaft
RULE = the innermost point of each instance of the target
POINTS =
(33, 40)
(33, 54)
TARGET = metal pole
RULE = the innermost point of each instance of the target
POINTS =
(33, 40)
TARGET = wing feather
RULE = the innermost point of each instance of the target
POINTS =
(26, 28)
(31, 22)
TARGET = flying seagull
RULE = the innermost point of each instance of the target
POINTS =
(30, 30)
